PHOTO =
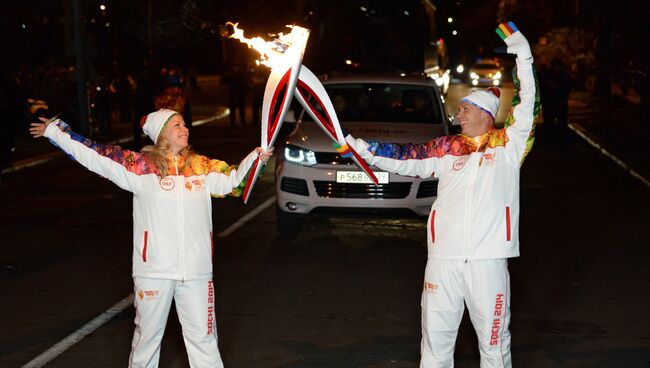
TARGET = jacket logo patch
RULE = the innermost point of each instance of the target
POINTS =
(194, 184)
(148, 294)
(431, 287)
(459, 164)
(167, 183)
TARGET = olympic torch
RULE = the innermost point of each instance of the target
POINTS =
(311, 94)
(284, 57)
(288, 77)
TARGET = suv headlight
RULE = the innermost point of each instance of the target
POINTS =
(299, 155)
(473, 75)
(497, 76)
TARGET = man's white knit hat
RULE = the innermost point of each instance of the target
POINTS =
(153, 124)
(485, 99)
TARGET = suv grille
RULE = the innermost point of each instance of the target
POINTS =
(428, 189)
(332, 157)
(333, 189)
(295, 186)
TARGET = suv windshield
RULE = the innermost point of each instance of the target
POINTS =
(383, 103)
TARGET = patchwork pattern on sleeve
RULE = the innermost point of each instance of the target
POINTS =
(516, 100)
(202, 165)
(455, 145)
(134, 162)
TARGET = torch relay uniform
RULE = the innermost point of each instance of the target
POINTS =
(172, 238)
(472, 227)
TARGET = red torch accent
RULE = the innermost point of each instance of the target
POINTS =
(252, 178)
(274, 116)
(361, 162)
(325, 121)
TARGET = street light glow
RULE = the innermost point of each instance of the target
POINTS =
(454, 32)
(102, 7)
(450, 19)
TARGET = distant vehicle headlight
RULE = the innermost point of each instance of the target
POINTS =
(497, 76)
(473, 75)
(460, 68)
(299, 155)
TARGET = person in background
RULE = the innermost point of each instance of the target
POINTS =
(237, 81)
(555, 86)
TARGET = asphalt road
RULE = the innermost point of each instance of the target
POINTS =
(344, 292)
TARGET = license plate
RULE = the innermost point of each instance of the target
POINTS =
(360, 177)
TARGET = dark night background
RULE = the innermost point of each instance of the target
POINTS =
(598, 40)
(345, 292)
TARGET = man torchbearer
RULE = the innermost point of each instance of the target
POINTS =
(474, 222)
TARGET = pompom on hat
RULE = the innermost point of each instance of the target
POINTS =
(485, 99)
(154, 123)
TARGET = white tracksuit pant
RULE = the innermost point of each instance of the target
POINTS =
(195, 306)
(484, 285)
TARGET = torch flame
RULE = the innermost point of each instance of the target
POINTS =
(271, 52)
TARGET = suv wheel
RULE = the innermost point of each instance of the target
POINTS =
(289, 224)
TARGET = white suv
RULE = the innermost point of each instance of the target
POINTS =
(311, 177)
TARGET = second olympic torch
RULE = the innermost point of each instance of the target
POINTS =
(288, 77)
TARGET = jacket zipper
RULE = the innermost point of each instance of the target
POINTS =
(180, 220)
(468, 199)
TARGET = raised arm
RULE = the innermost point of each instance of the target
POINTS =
(525, 101)
(112, 162)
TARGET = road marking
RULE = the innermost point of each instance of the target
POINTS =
(118, 308)
(239, 223)
(23, 164)
(78, 335)
(576, 128)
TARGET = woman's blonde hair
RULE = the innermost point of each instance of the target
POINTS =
(158, 155)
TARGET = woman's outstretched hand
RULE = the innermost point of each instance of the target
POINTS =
(264, 155)
(38, 129)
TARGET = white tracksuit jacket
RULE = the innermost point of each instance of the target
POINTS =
(172, 217)
(476, 213)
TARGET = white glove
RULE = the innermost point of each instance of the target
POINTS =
(358, 144)
(517, 43)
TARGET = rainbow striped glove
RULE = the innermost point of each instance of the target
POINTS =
(517, 43)
(343, 150)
